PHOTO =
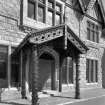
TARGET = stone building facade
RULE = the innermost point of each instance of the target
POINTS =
(85, 23)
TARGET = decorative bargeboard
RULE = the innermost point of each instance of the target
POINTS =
(41, 37)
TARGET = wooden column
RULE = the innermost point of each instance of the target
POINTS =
(23, 68)
(35, 75)
(77, 87)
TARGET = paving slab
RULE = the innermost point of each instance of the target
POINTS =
(60, 98)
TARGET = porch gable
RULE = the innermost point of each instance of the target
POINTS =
(51, 33)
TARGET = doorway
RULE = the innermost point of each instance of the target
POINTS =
(47, 72)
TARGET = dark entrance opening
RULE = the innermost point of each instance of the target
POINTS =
(47, 72)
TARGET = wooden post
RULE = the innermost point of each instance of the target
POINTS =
(77, 87)
(35, 75)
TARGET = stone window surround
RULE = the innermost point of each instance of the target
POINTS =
(8, 67)
(94, 71)
(67, 71)
(91, 29)
(37, 4)
(3, 59)
(33, 23)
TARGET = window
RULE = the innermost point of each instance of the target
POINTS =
(91, 71)
(67, 71)
(50, 18)
(3, 61)
(58, 19)
(41, 17)
(92, 32)
(54, 13)
(58, 14)
(31, 9)
(37, 9)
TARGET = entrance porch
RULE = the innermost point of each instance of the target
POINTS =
(49, 58)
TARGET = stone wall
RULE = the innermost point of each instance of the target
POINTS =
(9, 22)
(10, 8)
(10, 34)
(96, 50)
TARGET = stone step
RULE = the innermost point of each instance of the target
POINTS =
(10, 94)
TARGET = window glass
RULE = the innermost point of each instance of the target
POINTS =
(96, 71)
(97, 37)
(91, 71)
(40, 14)
(58, 8)
(31, 10)
(50, 4)
(87, 70)
(92, 32)
(88, 34)
(3, 61)
(64, 71)
(70, 69)
(50, 18)
(57, 19)
(37, 10)
(67, 71)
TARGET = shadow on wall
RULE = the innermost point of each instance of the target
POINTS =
(103, 70)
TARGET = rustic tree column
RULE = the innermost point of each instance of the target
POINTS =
(23, 91)
(77, 87)
(35, 75)
(20, 67)
(60, 73)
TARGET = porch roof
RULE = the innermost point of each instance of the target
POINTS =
(52, 33)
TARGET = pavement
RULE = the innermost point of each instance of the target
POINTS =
(88, 97)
